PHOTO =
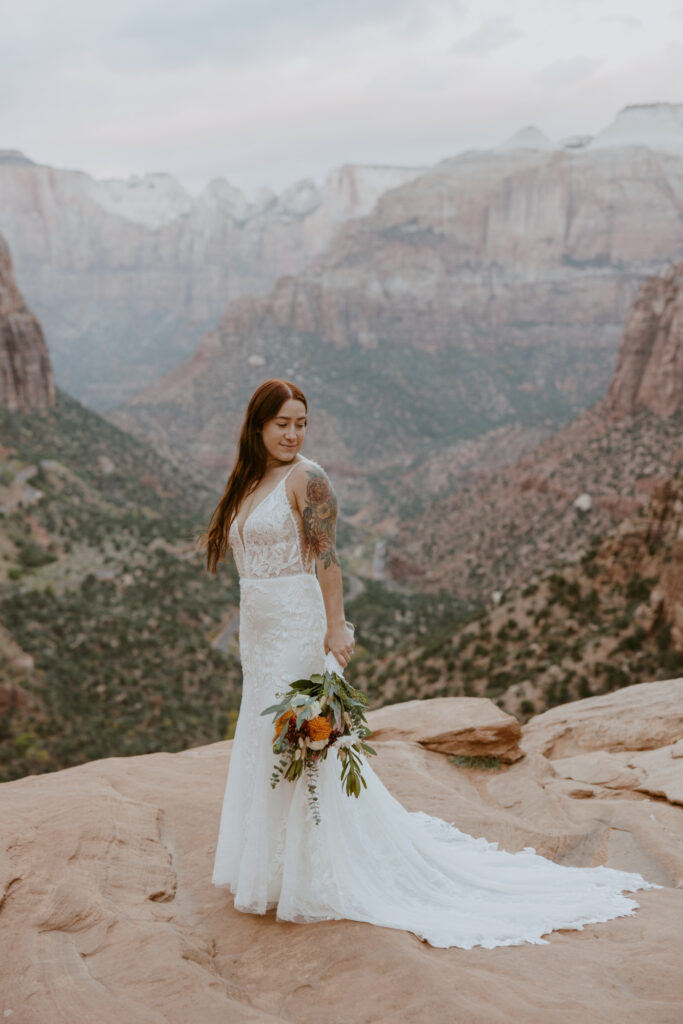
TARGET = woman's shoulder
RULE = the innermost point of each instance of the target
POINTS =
(304, 473)
(307, 464)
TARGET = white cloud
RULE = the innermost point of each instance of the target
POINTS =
(568, 71)
(490, 36)
(268, 91)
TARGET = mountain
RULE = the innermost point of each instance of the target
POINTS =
(26, 378)
(659, 126)
(113, 639)
(108, 913)
(530, 137)
(609, 616)
(656, 125)
(582, 480)
(489, 292)
(126, 276)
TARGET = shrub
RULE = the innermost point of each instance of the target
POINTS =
(32, 555)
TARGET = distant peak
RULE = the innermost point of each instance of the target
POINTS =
(658, 126)
(15, 156)
(530, 137)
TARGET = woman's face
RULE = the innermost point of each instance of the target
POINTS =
(284, 434)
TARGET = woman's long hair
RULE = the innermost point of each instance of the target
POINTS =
(249, 468)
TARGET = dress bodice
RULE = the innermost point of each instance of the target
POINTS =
(271, 544)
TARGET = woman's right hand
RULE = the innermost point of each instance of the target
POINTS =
(340, 641)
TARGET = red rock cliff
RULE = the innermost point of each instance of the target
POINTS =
(649, 372)
(26, 378)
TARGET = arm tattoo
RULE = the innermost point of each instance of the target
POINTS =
(319, 517)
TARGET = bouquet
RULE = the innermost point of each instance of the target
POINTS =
(314, 716)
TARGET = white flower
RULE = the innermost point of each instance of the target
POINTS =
(317, 744)
(315, 708)
(346, 741)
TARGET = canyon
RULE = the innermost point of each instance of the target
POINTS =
(581, 481)
(126, 276)
(489, 292)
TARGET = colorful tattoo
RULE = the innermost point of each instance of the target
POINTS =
(320, 517)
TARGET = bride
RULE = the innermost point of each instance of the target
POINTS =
(369, 859)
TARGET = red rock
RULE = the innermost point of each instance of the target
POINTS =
(26, 378)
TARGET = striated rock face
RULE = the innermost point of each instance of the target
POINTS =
(26, 379)
(107, 911)
(649, 372)
(107, 264)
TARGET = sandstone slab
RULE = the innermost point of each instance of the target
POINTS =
(467, 726)
(641, 717)
(107, 912)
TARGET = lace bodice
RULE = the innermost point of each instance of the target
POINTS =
(273, 545)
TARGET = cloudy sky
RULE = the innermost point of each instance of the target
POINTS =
(264, 92)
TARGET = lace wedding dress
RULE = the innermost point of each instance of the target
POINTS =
(369, 859)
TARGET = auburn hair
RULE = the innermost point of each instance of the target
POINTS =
(249, 467)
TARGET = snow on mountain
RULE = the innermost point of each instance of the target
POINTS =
(656, 125)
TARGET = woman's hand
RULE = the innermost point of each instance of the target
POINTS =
(339, 640)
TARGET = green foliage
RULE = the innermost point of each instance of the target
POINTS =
(32, 555)
(483, 763)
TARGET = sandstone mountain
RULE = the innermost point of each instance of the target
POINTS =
(26, 378)
(126, 276)
(107, 911)
(585, 478)
(488, 292)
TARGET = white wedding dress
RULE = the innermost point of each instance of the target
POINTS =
(369, 859)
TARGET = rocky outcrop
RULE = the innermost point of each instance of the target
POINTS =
(26, 379)
(647, 716)
(649, 371)
(462, 726)
(107, 911)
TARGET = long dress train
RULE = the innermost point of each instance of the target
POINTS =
(369, 859)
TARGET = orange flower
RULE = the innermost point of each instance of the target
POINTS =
(282, 722)
(319, 728)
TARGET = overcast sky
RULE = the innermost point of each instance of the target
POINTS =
(264, 92)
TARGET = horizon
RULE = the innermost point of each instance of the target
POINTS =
(265, 95)
(196, 191)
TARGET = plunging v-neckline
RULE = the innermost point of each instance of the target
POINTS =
(264, 498)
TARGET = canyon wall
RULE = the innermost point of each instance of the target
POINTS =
(127, 275)
(26, 378)
(649, 371)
